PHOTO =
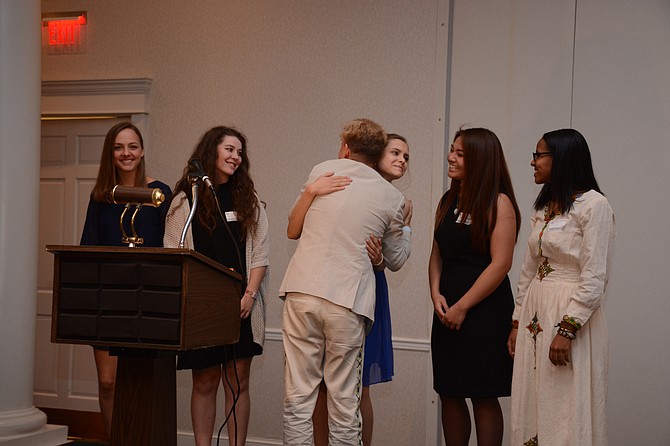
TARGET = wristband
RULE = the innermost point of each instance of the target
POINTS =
(251, 294)
(566, 333)
(572, 321)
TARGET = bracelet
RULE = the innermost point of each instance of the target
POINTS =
(251, 294)
(566, 326)
(566, 333)
(572, 321)
(515, 324)
(380, 262)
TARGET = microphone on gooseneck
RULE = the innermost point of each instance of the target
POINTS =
(198, 172)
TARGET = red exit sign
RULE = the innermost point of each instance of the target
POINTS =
(63, 32)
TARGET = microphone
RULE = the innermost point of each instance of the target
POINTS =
(198, 172)
(137, 195)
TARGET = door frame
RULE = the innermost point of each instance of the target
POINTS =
(91, 98)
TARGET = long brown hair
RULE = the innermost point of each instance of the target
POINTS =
(107, 174)
(486, 176)
(245, 202)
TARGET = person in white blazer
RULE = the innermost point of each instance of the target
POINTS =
(329, 285)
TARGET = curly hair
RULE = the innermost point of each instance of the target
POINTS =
(245, 202)
(364, 137)
(107, 175)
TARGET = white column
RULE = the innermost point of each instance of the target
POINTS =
(20, 422)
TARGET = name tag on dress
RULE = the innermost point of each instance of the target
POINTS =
(557, 223)
(231, 216)
(468, 221)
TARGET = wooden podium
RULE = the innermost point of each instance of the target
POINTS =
(150, 302)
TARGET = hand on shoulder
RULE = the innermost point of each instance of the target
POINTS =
(327, 183)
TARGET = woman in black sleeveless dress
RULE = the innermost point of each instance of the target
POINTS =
(240, 242)
(477, 222)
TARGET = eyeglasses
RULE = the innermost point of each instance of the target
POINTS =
(537, 155)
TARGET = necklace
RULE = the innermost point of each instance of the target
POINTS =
(545, 268)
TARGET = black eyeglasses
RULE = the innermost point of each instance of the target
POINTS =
(537, 155)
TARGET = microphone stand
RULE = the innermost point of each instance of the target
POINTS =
(137, 196)
(194, 193)
(196, 175)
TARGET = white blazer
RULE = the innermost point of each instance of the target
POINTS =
(331, 261)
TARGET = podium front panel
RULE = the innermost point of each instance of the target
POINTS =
(124, 301)
(143, 298)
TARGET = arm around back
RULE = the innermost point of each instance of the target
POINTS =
(396, 242)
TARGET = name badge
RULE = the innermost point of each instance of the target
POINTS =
(468, 221)
(557, 223)
(231, 216)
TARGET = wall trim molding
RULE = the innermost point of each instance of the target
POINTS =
(88, 97)
(96, 86)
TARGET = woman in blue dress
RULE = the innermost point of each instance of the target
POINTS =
(378, 356)
(122, 163)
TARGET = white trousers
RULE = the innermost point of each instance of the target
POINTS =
(322, 341)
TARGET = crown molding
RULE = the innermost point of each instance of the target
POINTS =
(96, 86)
(96, 96)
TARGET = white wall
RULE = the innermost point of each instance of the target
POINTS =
(622, 102)
(289, 73)
(526, 67)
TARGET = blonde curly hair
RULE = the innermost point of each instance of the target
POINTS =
(364, 137)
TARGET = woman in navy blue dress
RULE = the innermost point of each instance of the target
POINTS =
(378, 358)
(122, 163)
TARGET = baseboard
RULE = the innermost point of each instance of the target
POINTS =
(87, 425)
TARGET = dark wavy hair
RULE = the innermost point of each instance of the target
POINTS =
(107, 175)
(486, 176)
(571, 170)
(245, 202)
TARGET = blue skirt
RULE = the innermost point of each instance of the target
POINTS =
(378, 359)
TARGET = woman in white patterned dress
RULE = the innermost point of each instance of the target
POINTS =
(559, 340)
